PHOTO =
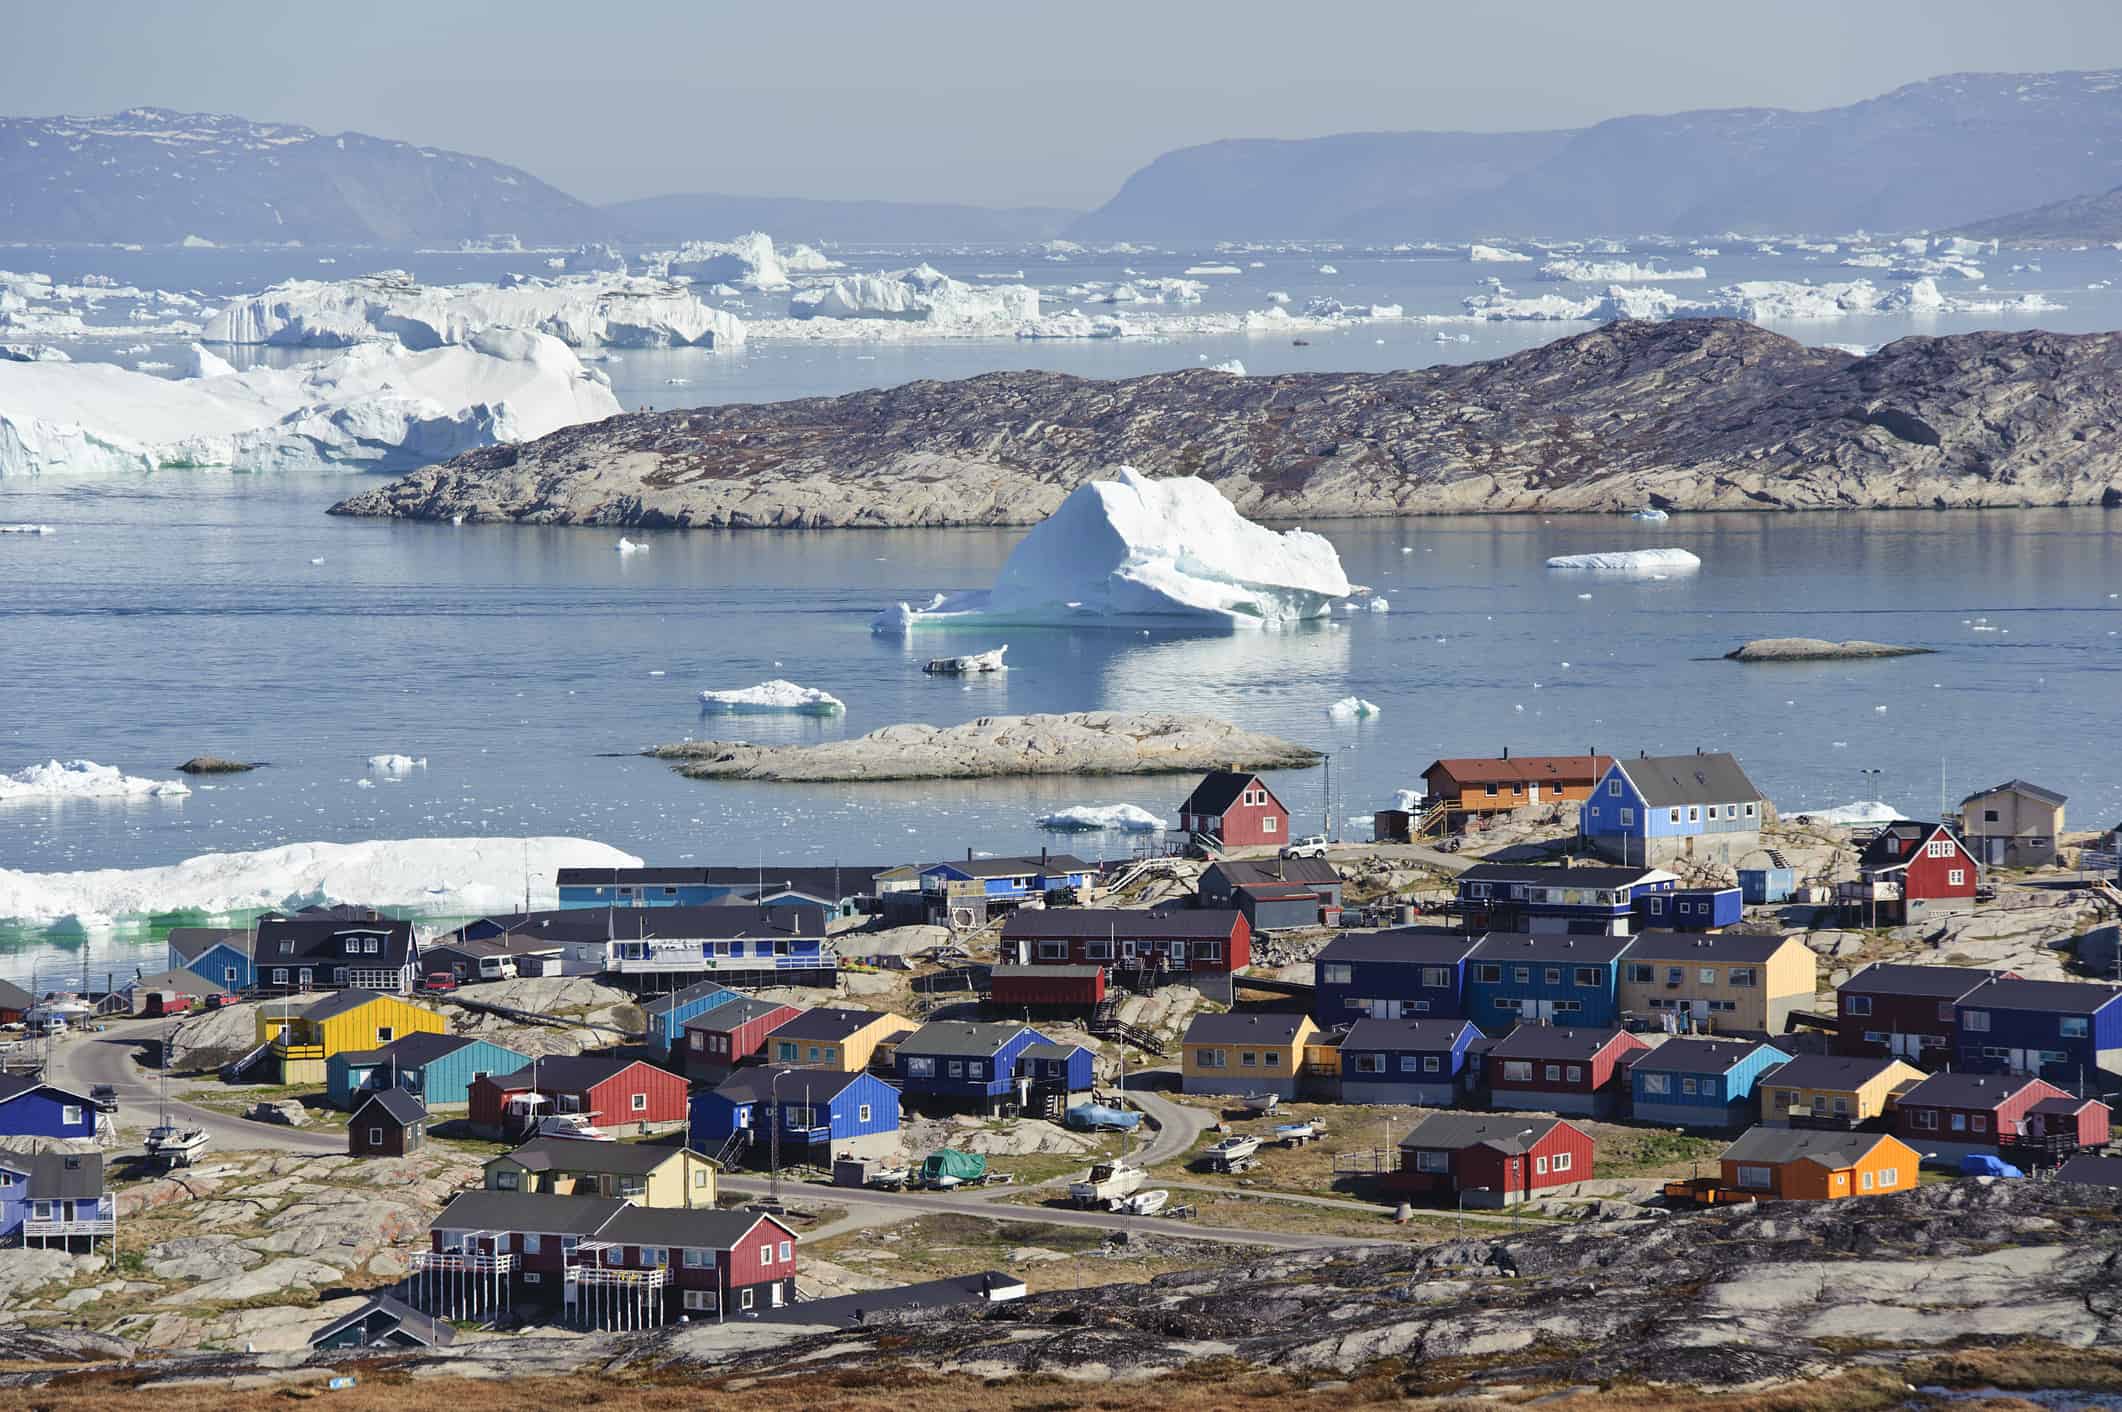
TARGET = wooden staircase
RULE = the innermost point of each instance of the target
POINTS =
(1105, 1023)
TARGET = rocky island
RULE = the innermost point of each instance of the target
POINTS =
(1816, 649)
(1079, 743)
(1693, 414)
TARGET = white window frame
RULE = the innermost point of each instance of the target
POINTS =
(638, 1102)
(1560, 1162)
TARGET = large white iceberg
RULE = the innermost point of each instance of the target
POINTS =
(922, 294)
(582, 311)
(1495, 255)
(1631, 561)
(1864, 811)
(1103, 818)
(376, 407)
(1614, 272)
(83, 779)
(434, 876)
(774, 696)
(750, 261)
(1134, 548)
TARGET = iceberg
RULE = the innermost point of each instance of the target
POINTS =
(1613, 272)
(1495, 255)
(1651, 514)
(1233, 366)
(432, 876)
(82, 779)
(1630, 561)
(376, 407)
(749, 261)
(770, 697)
(27, 529)
(922, 294)
(396, 764)
(627, 546)
(1864, 811)
(971, 664)
(1133, 549)
(1353, 708)
(1103, 818)
(1380, 605)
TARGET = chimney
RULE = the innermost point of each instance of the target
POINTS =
(1506, 752)
(968, 853)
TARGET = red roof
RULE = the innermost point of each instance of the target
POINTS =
(1527, 769)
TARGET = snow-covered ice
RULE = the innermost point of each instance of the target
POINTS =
(627, 546)
(1352, 708)
(1495, 255)
(1864, 811)
(1614, 272)
(1136, 548)
(923, 295)
(1651, 514)
(396, 764)
(776, 696)
(750, 261)
(1229, 365)
(83, 779)
(1630, 561)
(1103, 818)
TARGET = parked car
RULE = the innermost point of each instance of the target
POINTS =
(104, 1097)
(1310, 846)
(439, 980)
(217, 1002)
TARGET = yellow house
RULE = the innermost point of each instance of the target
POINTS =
(1839, 1087)
(1730, 981)
(837, 1038)
(1245, 1052)
(350, 1019)
(666, 1177)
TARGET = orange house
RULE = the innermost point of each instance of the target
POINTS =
(1492, 786)
(1797, 1164)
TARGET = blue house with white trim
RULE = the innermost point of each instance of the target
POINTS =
(961, 1064)
(1522, 977)
(1702, 1083)
(220, 956)
(30, 1107)
(1657, 809)
(1539, 897)
(2064, 1031)
(667, 1014)
(822, 1114)
(1059, 1069)
(1405, 1061)
(14, 1191)
(1692, 909)
(1010, 879)
(1404, 973)
(437, 1069)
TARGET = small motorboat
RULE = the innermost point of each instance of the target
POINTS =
(576, 1125)
(1297, 1134)
(1262, 1102)
(1142, 1203)
(177, 1146)
(1232, 1150)
(1107, 1184)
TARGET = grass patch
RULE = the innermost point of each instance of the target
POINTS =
(2027, 1364)
(949, 1243)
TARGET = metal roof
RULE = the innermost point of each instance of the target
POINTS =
(2018, 786)
(572, 1154)
(1777, 1145)
(312, 938)
(1413, 946)
(834, 1023)
(1917, 982)
(1014, 865)
(1510, 1134)
(1240, 872)
(1049, 1050)
(419, 1048)
(1555, 948)
(1552, 1042)
(1967, 1090)
(1246, 1027)
(960, 1037)
(1019, 973)
(671, 1000)
(427, 1328)
(680, 1227)
(2059, 1105)
(339, 1002)
(530, 1212)
(2056, 997)
(732, 1014)
(1698, 1056)
(1833, 1072)
(404, 1109)
(1218, 790)
(1369, 1033)
(756, 1084)
(1553, 875)
(1746, 948)
(1124, 923)
(57, 1174)
(1666, 780)
(1522, 769)
(2091, 1171)
(193, 942)
(568, 1073)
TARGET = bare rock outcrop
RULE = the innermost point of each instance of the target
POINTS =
(1817, 649)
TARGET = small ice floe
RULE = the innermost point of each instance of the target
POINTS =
(1380, 605)
(47, 529)
(1409, 549)
(1651, 514)
(364, 784)
(1229, 365)
(1629, 561)
(83, 779)
(1352, 708)
(657, 672)
(456, 519)
(1584, 595)
(396, 764)
(1880, 709)
(317, 560)
(627, 546)
(774, 696)
(1102, 818)
(1328, 270)
(677, 382)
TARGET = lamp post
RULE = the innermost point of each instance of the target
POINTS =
(1525, 1190)
(1871, 889)
(773, 1103)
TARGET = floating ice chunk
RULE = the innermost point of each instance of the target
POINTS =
(776, 696)
(396, 764)
(749, 260)
(1278, 296)
(1213, 270)
(27, 529)
(1630, 561)
(1651, 514)
(1864, 811)
(1614, 272)
(1328, 270)
(1135, 548)
(83, 779)
(1495, 255)
(1380, 605)
(921, 295)
(627, 546)
(971, 664)
(1229, 365)
(1103, 818)
(1352, 708)
(315, 562)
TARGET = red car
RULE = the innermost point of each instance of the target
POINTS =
(439, 980)
(216, 1002)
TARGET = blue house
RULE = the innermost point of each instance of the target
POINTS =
(1702, 1083)
(667, 1014)
(1391, 975)
(2064, 1031)
(1556, 977)
(221, 956)
(1539, 897)
(1692, 909)
(30, 1107)
(434, 1068)
(1405, 1061)
(14, 1190)
(1656, 809)
(62, 1196)
(954, 1064)
(837, 889)
(1011, 880)
(1059, 1070)
(821, 1113)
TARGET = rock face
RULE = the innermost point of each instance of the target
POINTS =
(1081, 743)
(1814, 649)
(214, 765)
(1696, 414)
(2075, 220)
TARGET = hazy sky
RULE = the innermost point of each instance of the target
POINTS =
(994, 102)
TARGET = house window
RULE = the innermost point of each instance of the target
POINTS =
(1749, 811)
(1658, 1083)
(700, 1300)
(1575, 1073)
(1488, 974)
(1432, 1161)
(1975, 1020)
(1552, 975)
(1857, 1004)
(920, 1068)
(957, 1068)
(1956, 877)
(1876, 1037)
(505, 1181)
(1926, 1119)
(1613, 788)
(1539, 1166)
(1098, 950)
(633, 1186)
(2071, 1027)
(1938, 848)
(1521, 974)
(1435, 977)
(1410, 1064)
(1431, 1064)
(1706, 975)
(1518, 1071)
(693, 1259)
(1335, 973)
(788, 1251)
(1628, 818)
(744, 1299)
(1742, 976)
(1639, 973)
(1568, 1007)
(1672, 816)
(1554, 1073)
(1477, 891)
(862, 1114)
(1980, 1122)
(1211, 1058)
(700, 1177)
(385, 1034)
(639, 1102)
(1248, 1059)
(1694, 813)
(1688, 1085)
(1758, 1178)
(1053, 951)
(1588, 976)
(975, 1068)
(1889, 1176)
(530, 1243)
(1268, 824)
(279, 975)
(1867, 1181)
(1559, 1162)
(375, 1137)
(1489, 790)
(1370, 1063)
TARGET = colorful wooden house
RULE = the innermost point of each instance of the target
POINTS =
(1491, 1160)
(388, 1122)
(14, 1190)
(615, 1095)
(644, 1173)
(2059, 1125)
(1234, 809)
(835, 1037)
(1910, 1012)
(730, 1035)
(326, 949)
(15, 1003)
(1221, 880)
(1005, 882)
(714, 1263)
(1951, 1116)
(1834, 1090)
(1058, 1074)
(1554, 978)
(2068, 1032)
(1701, 1083)
(437, 1069)
(1911, 872)
(1693, 909)
(1046, 990)
(1811, 1165)
(1559, 1069)
(1732, 981)
(837, 889)
(820, 1115)
(1473, 787)
(1178, 944)
(1405, 1061)
(668, 1014)
(385, 1322)
(304, 1040)
(1543, 897)
(958, 1064)
(1245, 1052)
(30, 1107)
(1658, 809)
(2013, 825)
(1405, 973)
(56, 1195)
(220, 956)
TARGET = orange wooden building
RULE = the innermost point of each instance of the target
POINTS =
(1799, 1164)
(1491, 786)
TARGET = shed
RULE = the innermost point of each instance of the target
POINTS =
(385, 1322)
(1772, 884)
(1278, 906)
(1044, 990)
(388, 1123)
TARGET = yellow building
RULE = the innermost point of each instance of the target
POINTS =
(834, 1038)
(350, 1019)
(1730, 981)
(667, 1177)
(1246, 1052)
(1837, 1087)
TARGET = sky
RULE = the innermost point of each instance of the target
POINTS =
(1013, 103)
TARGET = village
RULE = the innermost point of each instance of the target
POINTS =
(1553, 989)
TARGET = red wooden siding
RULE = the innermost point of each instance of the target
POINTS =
(664, 1093)
(1486, 1167)
(1049, 989)
(1928, 878)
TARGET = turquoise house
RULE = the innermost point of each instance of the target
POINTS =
(437, 1069)
(1701, 1083)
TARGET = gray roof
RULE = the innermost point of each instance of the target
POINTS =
(1508, 1133)
(1666, 780)
(530, 1212)
(1775, 1145)
(1018, 865)
(1245, 1027)
(1965, 1090)
(1306, 871)
(419, 1048)
(697, 1228)
(1745, 948)
(2062, 1105)
(756, 1084)
(177, 979)
(2091, 1170)
(404, 1109)
(193, 942)
(1069, 973)
(426, 1328)
(57, 1174)
(1413, 946)
(960, 1037)
(14, 997)
(1405, 1034)
(1698, 1056)
(828, 1023)
(1552, 1042)
(1919, 982)
(1050, 1050)
(1551, 948)
(565, 1073)
(1099, 923)
(341, 1001)
(572, 1154)
(2018, 786)
(1561, 875)
(2055, 997)
(1830, 1071)
(733, 1013)
(15, 1085)
(664, 1004)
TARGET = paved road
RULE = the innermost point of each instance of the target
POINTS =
(1179, 1125)
(82, 1060)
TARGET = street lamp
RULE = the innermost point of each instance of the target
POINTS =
(1526, 1189)
(1871, 890)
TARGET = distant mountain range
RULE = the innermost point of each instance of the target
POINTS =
(797, 218)
(1931, 155)
(2080, 220)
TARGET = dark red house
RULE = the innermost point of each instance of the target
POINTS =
(1180, 942)
(732, 1033)
(621, 1096)
(1232, 809)
(1044, 990)
(1913, 871)
(1904, 1011)
(1555, 1070)
(1497, 1159)
(1968, 1110)
(2060, 1125)
(718, 1263)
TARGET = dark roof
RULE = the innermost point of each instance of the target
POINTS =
(1551, 947)
(178, 979)
(1522, 769)
(1278, 892)
(511, 943)
(565, 1073)
(1508, 1133)
(1018, 973)
(14, 997)
(1831, 1071)
(1218, 790)
(57, 1174)
(341, 1001)
(1665, 780)
(1099, 923)
(1552, 1042)
(1696, 1056)
(1413, 946)
(1776, 1145)
(1966, 1090)
(2046, 796)
(768, 880)
(2055, 997)
(572, 1154)
(1745, 948)
(1245, 1027)
(1244, 871)
(528, 1211)
(848, 1311)
(428, 1329)
(404, 1109)
(960, 1037)
(1012, 865)
(733, 1013)
(1049, 1050)
(2091, 1171)
(193, 942)
(1916, 982)
(1553, 875)
(1896, 844)
(311, 938)
(756, 1084)
(696, 1227)
(671, 1000)
(1404, 1034)
(834, 1023)
(420, 1048)
(2060, 1105)
(15, 1085)
(704, 923)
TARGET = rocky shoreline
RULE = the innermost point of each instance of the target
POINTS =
(1817, 649)
(1079, 743)
(1690, 414)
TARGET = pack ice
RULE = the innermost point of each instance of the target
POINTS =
(375, 407)
(1133, 548)
(922, 294)
(82, 779)
(436, 876)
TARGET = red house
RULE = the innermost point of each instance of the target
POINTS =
(1496, 1159)
(1047, 989)
(1906, 1012)
(617, 1095)
(713, 1262)
(2009, 1114)
(730, 1034)
(1554, 1070)
(2059, 1126)
(1913, 871)
(1232, 809)
(1196, 939)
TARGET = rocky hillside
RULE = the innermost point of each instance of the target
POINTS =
(2078, 220)
(1691, 414)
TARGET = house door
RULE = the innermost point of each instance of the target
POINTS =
(2025, 1061)
(1907, 1046)
(1178, 954)
(1532, 794)
(773, 1296)
(304, 977)
(1700, 1009)
(1385, 1009)
(1529, 1009)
